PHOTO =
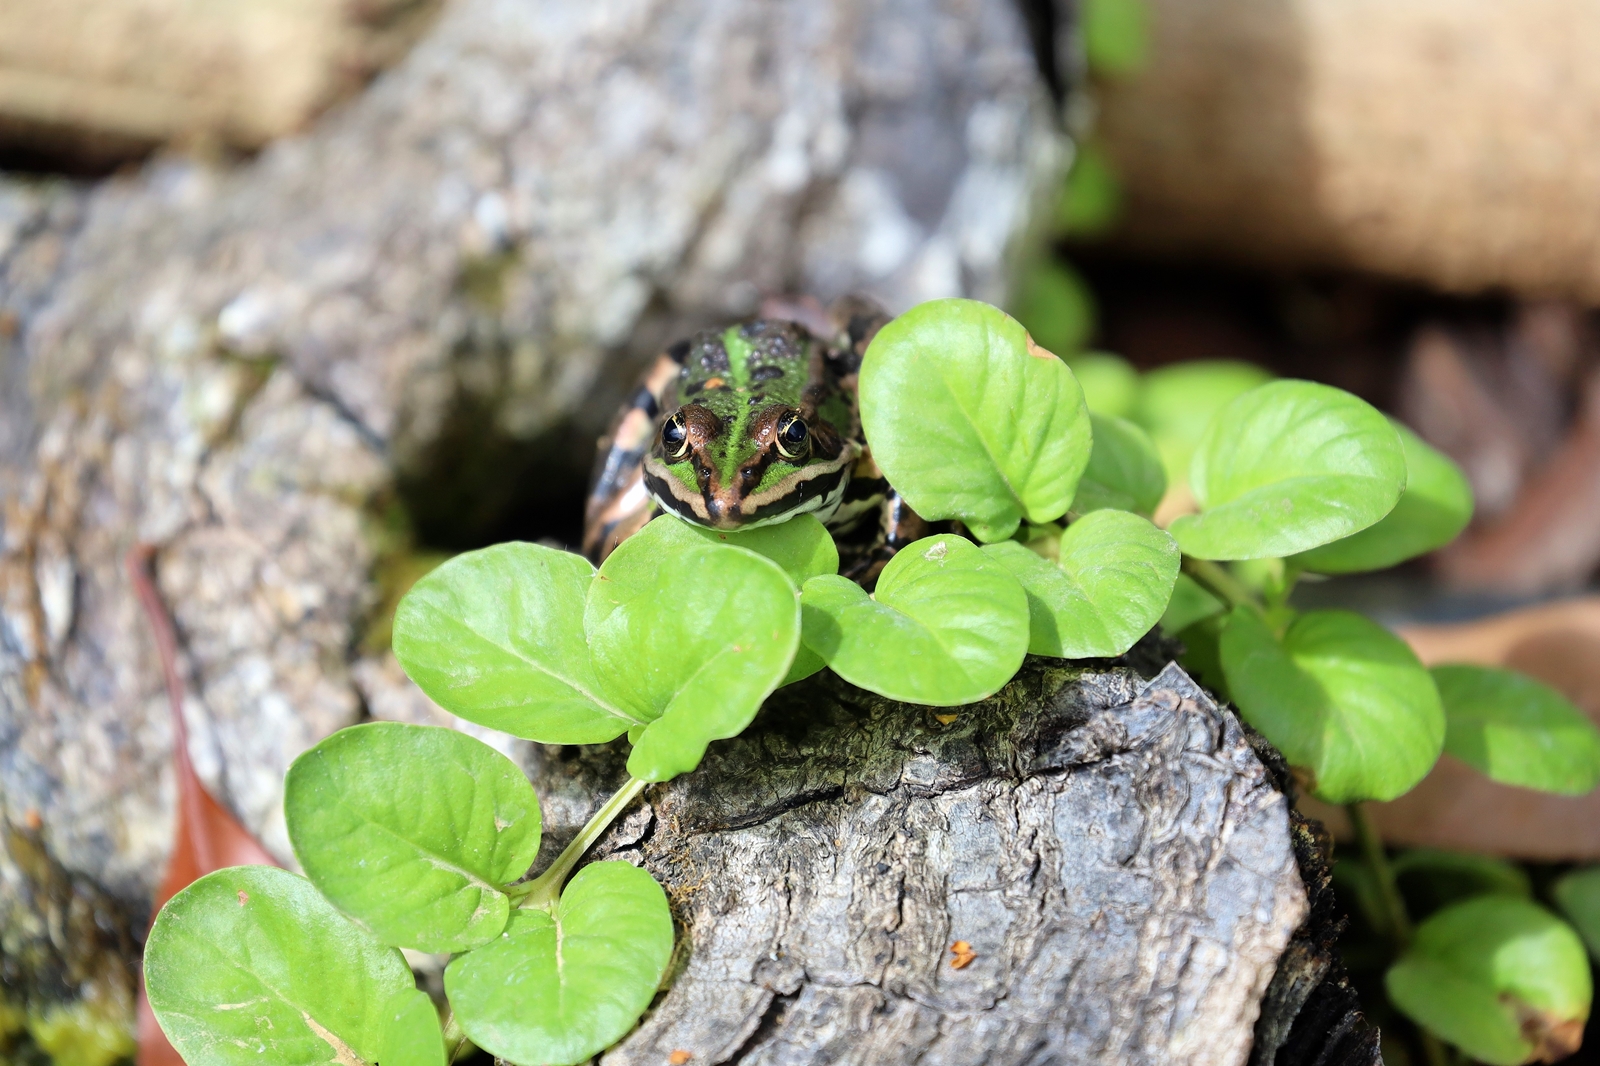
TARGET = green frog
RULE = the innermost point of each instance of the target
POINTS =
(749, 426)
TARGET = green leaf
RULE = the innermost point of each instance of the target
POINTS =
(1124, 471)
(1517, 731)
(250, 965)
(806, 662)
(1202, 653)
(412, 830)
(1190, 603)
(411, 1034)
(1055, 306)
(1110, 383)
(1116, 35)
(801, 545)
(1113, 579)
(967, 424)
(1339, 696)
(560, 988)
(1436, 506)
(1176, 403)
(1091, 197)
(690, 639)
(948, 625)
(1287, 467)
(496, 636)
(1501, 978)
(1437, 878)
(1578, 896)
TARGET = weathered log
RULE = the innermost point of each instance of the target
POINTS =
(1112, 850)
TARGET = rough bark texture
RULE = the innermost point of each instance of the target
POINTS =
(1112, 849)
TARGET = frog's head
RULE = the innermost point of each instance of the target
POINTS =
(764, 434)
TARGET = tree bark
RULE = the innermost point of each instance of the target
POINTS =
(1111, 849)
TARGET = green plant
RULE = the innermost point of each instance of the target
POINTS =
(415, 837)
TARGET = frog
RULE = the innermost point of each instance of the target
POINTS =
(750, 425)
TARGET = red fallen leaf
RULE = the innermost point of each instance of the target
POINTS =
(208, 837)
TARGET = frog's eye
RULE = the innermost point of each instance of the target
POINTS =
(794, 438)
(675, 437)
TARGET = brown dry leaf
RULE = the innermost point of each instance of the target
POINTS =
(208, 837)
(963, 954)
(1553, 1038)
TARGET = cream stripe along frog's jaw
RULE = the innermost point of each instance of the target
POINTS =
(816, 489)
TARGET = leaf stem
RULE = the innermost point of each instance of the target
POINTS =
(455, 1037)
(1278, 595)
(544, 891)
(1394, 905)
(1395, 915)
(1219, 582)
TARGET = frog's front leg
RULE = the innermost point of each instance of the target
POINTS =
(883, 524)
(618, 504)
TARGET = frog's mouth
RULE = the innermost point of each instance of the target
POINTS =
(814, 489)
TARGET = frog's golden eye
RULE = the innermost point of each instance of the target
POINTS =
(675, 437)
(793, 437)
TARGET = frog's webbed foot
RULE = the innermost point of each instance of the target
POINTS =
(862, 559)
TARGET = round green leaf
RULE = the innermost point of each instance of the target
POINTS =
(1113, 579)
(1124, 471)
(1517, 730)
(1287, 467)
(1339, 696)
(1110, 383)
(1436, 506)
(969, 421)
(1116, 35)
(690, 638)
(411, 1034)
(250, 965)
(560, 988)
(1091, 198)
(801, 545)
(1055, 306)
(947, 625)
(496, 636)
(1190, 603)
(1176, 403)
(1578, 895)
(1443, 877)
(412, 830)
(1501, 978)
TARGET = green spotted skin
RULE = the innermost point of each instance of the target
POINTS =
(734, 393)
